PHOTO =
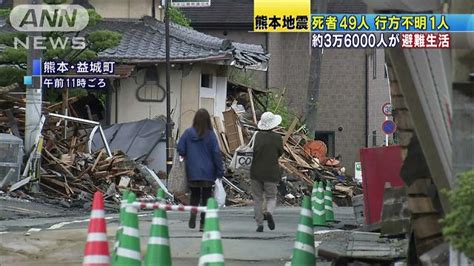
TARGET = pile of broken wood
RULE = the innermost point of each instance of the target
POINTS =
(300, 168)
(68, 170)
(72, 174)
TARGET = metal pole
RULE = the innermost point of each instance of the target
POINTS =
(389, 97)
(169, 160)
(33, 94)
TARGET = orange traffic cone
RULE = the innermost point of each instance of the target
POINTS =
(96, 252)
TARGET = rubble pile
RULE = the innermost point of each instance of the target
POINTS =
(302, 164)
(69, 173)
(75, 175)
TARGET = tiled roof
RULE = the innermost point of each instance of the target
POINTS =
(144, 41)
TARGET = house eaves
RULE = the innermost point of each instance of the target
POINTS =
(143, 41)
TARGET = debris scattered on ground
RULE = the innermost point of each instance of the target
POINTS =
(304, 161)
(349, 246)
(69, 173)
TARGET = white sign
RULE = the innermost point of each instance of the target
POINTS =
(46, 18)
(387, 109)
(191, 3)
(358, 172)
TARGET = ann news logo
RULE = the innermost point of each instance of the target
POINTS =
(49, 18)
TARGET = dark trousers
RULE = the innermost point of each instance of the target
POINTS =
(199, 196)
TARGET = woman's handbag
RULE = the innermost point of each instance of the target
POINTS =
(243, 156)
(177, 180)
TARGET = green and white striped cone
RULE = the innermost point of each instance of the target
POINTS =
(317, 200)
(129, 253)
(211, 245)
(328, 202)
(158, 251)
(303, 251)
(119, 228)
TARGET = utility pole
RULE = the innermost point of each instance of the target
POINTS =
(317, 7)
(169, 159)
(33, 94)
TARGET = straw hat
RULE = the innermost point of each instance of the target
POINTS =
(269, 121)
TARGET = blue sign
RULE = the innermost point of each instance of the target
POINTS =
(389, 127)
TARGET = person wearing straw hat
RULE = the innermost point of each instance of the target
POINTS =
(203, 159)
(265, 172)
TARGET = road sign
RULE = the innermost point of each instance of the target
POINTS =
(191, 3)
(389, 127)
(387, 109)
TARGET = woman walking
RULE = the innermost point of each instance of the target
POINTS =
(265, 172)
(203, 160)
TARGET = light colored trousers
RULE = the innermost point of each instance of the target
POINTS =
(259, 191)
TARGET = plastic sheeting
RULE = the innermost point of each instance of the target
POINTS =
(143, 140)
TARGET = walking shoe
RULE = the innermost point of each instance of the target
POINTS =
(192, 221)
(270, 221)
(260, 228)
(201, 227)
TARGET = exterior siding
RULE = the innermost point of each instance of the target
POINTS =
(378, 95)
(342, 102)
(185, 96)
(289, 67)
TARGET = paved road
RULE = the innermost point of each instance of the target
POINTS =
(242, 245)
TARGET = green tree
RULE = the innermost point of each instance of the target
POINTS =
(14, 61)
(178, 17)
(458, 225)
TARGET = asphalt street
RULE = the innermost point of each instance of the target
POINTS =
(60, 240)
(64, 245)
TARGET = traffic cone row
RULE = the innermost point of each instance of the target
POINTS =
(128, 252)
(118, 233)
(158, 249)
(211, 245)
(319, 215)
(96, 252)
(321, 199)
(328, 203)
(303, 251)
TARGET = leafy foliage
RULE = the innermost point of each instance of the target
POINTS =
(178, 17)
(8, 38)
(458, 225)
(103, 39)
(277, 104)
(94, 17)
(95, 42)
(239, 76)
(10, 75)
(13, 56)
(5, 12)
